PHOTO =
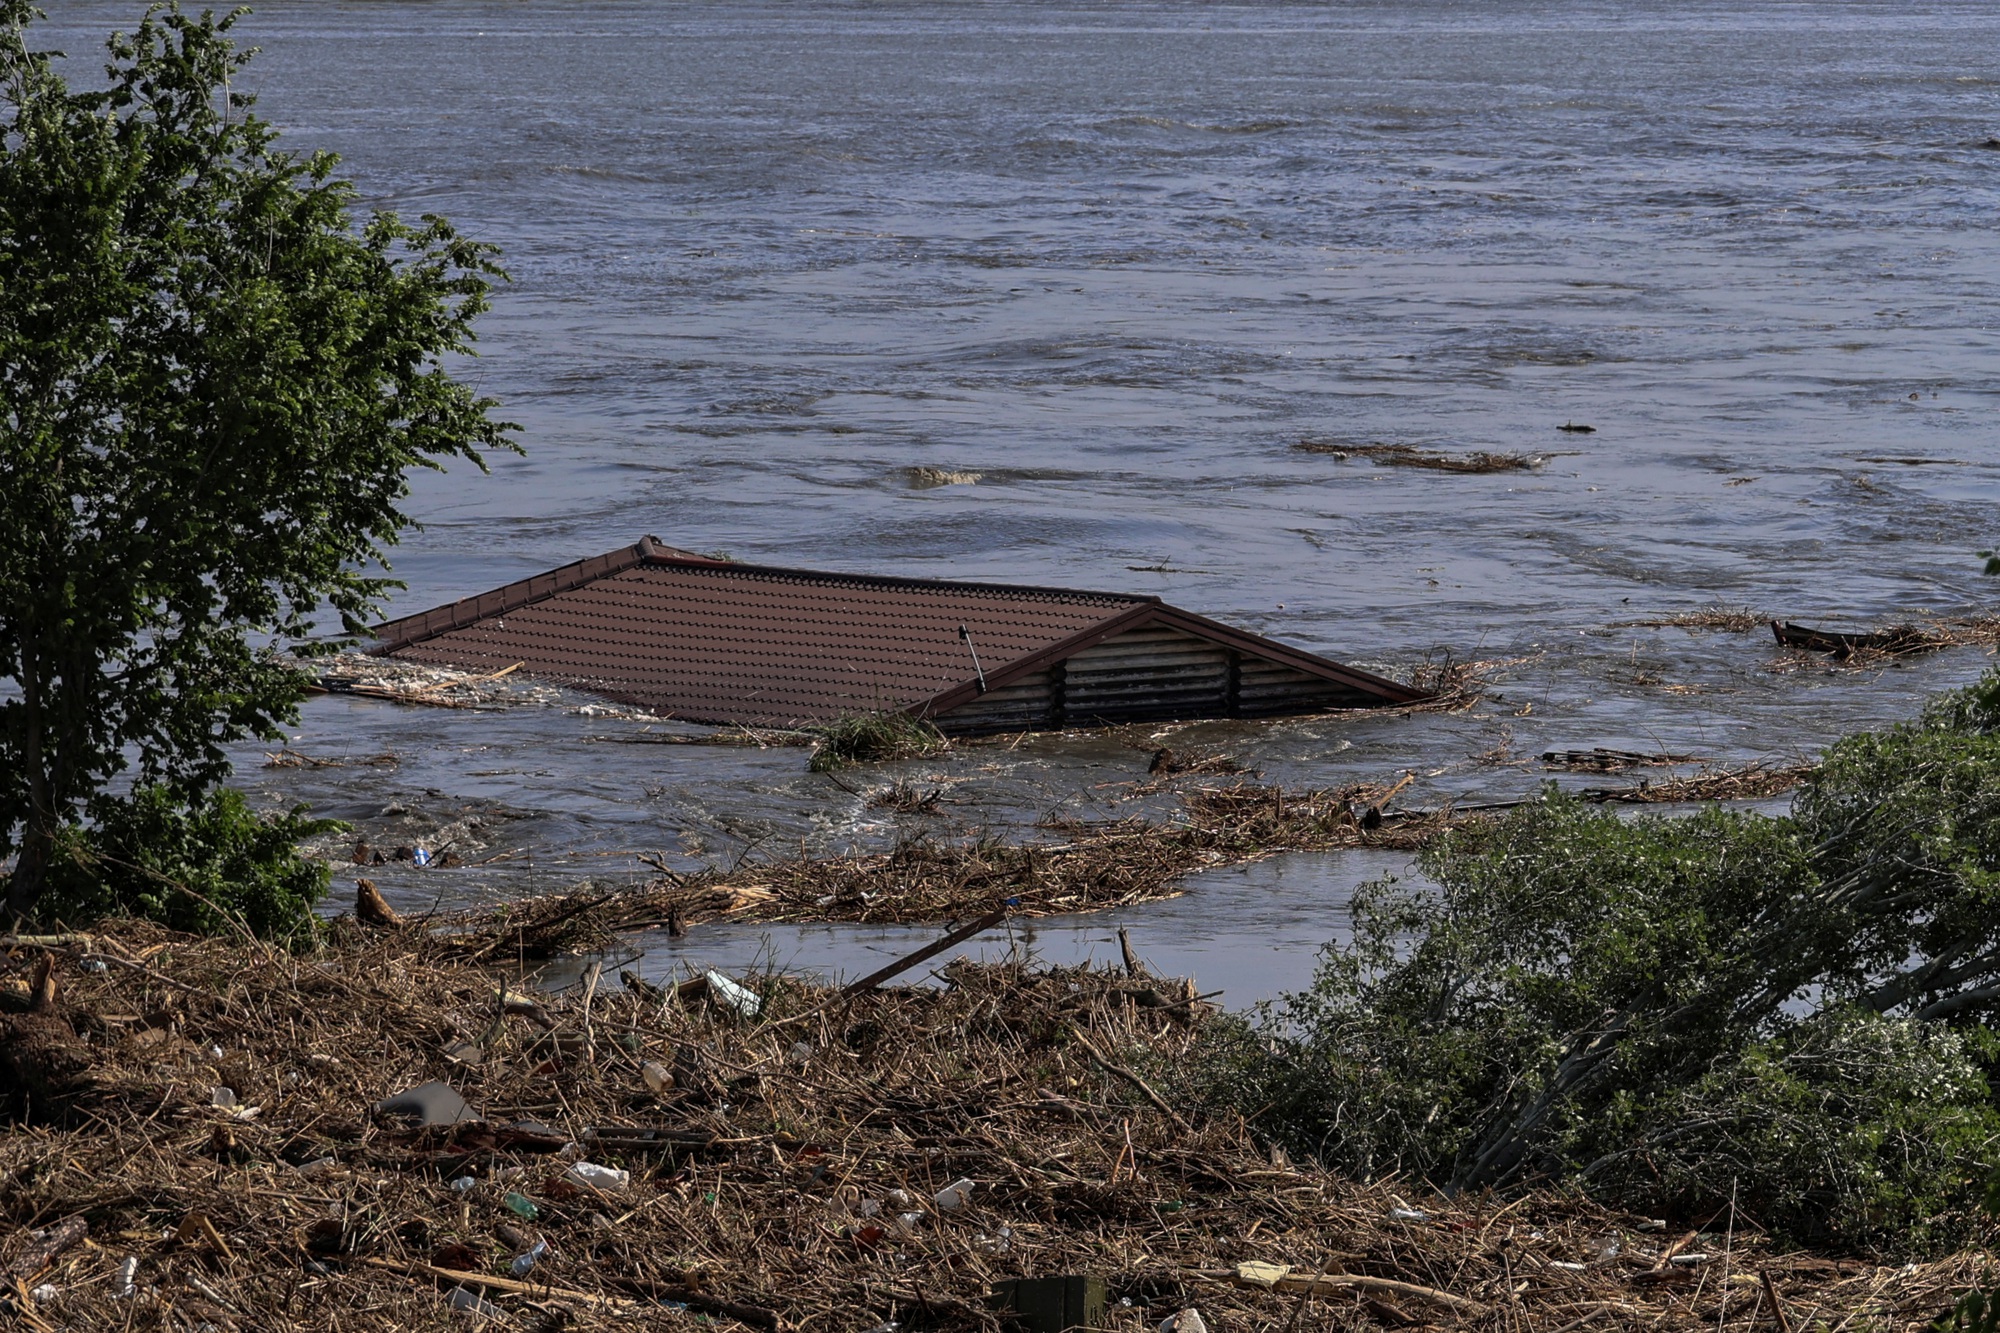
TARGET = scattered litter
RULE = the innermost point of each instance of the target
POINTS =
(608, 1179)
(954, 1196)
(1185, 1321)
(657, 1077)
(1689, 1260)
(1000, 1242)
(430, 1103)
(319, 1166)
(1257, 1273)
(464, 1185)
(907, 1223)
(222, 1097)
(421, 856)
(801, 1052)
(126, 1282)
(45, 1293)
(94, 966)
(521, 1206)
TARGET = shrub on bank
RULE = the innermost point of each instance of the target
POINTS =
(1677, 1012)
(213, 867)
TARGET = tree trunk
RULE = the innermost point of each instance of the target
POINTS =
(31, 872)
(38, 836)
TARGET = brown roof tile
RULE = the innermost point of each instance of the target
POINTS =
(712, 641)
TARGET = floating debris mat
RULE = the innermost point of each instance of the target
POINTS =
(707, 640)
(1408, 455)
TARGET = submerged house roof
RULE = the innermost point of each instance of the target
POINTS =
(716, 641)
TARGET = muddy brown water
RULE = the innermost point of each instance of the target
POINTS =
(1118, 260)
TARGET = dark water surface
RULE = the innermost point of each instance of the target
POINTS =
(1118, 260)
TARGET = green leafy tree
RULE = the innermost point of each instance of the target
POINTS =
(213, 384)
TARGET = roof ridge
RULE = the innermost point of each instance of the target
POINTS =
(656, 552)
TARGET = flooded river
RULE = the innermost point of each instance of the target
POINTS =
(1119, 260)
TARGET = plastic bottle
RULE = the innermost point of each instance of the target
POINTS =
(523, 1262)
(521, 1206)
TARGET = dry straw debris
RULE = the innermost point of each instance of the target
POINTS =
(205, 1154)
(1095, 866)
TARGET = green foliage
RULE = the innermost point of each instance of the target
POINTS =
(1976, 1312)
(212, 385)
(866, 738)
(1671, 1012)
(211, 867)
(1850, 1128)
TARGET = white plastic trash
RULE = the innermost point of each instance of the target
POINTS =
(472, 1303)
(1400, 1214)
(224, 1097)
(128, 1275)
(45, 1293)
(907, 1223)
(608, 1179)
(463, 1185)
(954, 1196)
(740, 998)
(658, 1077)
(1184, 1321)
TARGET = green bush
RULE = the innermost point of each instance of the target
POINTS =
(1671, 1012)
(1851, 1129)
(211, 867)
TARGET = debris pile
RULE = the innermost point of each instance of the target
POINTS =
(373, 1137)
(1408, 455)
(436, 687)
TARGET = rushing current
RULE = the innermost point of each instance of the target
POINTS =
(1119, 260)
